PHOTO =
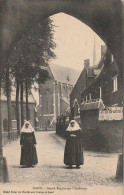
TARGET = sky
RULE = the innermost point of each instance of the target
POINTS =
(75, 42)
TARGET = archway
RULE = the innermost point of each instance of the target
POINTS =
(104, 17)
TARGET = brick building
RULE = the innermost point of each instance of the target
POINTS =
(96, 102)
(87, 76)
(107, 84)
(101, 110)
(54, 95)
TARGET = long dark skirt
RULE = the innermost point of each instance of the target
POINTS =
(28, 155)
(28, 150)
(73, 154)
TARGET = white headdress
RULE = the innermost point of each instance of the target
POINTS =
(29, 129)
(74, 128)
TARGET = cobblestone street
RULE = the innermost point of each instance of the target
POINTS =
(98, 171)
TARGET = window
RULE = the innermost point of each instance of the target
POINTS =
(112, 58)
(13, 112)
(86, 98)
(100, 92)
(89, 96)
(115, 84)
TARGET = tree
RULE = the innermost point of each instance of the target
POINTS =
(30, 58)
(17, 104)
(8, 94)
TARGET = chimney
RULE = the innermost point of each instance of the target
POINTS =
(86, 63)
(103, 50)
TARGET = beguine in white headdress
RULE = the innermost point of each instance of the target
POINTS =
(28, 129)
(74, 128)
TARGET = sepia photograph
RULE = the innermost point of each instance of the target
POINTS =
(61, 97)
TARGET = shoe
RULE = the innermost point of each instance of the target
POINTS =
(29, 165)
(78, 166)
(69, 167)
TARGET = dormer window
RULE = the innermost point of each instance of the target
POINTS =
(115, 83)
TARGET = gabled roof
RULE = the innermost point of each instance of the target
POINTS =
(64, 74)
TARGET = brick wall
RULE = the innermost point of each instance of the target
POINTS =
(112, 133)
(100, 136)
(103, 136)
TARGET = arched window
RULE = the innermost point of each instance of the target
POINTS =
(5, 124)
(13, 108)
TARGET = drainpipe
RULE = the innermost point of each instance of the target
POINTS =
(58, 104)
(54, 100)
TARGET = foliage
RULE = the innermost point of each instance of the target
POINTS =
(32, 54)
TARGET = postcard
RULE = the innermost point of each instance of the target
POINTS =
(61, 97)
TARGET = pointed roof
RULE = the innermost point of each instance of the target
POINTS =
(64, 74)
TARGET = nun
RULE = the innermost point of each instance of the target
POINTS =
(73, 154)
(28, 148)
